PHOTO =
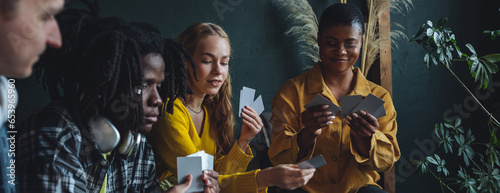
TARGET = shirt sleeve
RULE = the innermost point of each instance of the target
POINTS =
(243, 182)
(48, 160)
(286, 126)
(235, 161)
(384, 150)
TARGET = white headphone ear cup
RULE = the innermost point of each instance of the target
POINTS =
(126, 144)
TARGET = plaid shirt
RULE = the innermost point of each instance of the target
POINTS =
(56, 156)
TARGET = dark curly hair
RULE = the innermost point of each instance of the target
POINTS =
(98, 70)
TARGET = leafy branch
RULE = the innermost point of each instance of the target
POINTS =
(439, 43)
(481, 172)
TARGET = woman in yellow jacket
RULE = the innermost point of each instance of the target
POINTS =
(355, 148)
(204, 121)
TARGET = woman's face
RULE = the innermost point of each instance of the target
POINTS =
(339, 47)
(153, 68)
(212, 64)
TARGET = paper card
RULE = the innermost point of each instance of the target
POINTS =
(348, 103)
(370, 104)
(314, 162)
(380, 112)
(246, 98)
(194, 164)
(258, 105)
(321, 100)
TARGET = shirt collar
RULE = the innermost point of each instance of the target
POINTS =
(316, 84)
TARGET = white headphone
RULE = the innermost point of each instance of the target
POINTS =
(107, 137)
(4, 102)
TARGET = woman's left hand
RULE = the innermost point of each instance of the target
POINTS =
(252, 124)
(363, 126)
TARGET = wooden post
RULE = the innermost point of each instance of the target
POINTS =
(385, 75)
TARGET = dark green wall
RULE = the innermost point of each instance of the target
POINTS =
(263, 59)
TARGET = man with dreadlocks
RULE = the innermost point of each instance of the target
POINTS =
(26, 28)
(107, 83)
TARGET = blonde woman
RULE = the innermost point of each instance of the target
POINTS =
(204, 121)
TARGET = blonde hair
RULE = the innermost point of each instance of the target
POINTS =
(219, 105)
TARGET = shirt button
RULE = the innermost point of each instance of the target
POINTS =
(104, 163)
(336, 134)
(332, 181)
(334, 158)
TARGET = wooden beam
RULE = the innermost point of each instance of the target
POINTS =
(385, 75)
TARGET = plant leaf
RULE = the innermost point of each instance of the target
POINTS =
(471, 48)
(420, 31)
(429, 32)
(494, 58)
(442, 22)
(429, 22)
(432, 160)
(458, 121)
(492, 67)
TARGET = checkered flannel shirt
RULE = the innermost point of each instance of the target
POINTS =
(56, 156)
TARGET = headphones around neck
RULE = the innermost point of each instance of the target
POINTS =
(107, 137)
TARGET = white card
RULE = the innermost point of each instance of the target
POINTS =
(258, 105)
(348, 103)
(246, 98)
(194, 164)
(321, 100)
(314, 162)
(370, 104)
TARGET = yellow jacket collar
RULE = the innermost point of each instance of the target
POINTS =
(316, 84)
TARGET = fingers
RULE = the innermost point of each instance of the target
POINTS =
(363, 124)
(211, 173)
(187, 182)
(255, 124)
(183, 187)
(307, 172)
(314, 112)
(316, 118)
(251, 116)
(296, 177)
(210, 178)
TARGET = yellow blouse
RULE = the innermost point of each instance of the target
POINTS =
(175, 135)
(346, 170)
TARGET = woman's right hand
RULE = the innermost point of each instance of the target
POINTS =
(313, 120)
(181, 188)
(316, 118)
(286, 176)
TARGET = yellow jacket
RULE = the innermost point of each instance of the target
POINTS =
(175, 135)
(346, 170)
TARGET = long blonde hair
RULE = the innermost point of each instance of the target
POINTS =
(218, 105)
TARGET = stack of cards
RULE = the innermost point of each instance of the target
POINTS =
(352, 104)
(321, 100)
(194, 164)
(246, 99)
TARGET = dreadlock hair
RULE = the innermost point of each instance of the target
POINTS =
(341, 14)
(218, 105)
(174, 55)
(98, 70)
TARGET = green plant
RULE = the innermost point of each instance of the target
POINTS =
(479, 171)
